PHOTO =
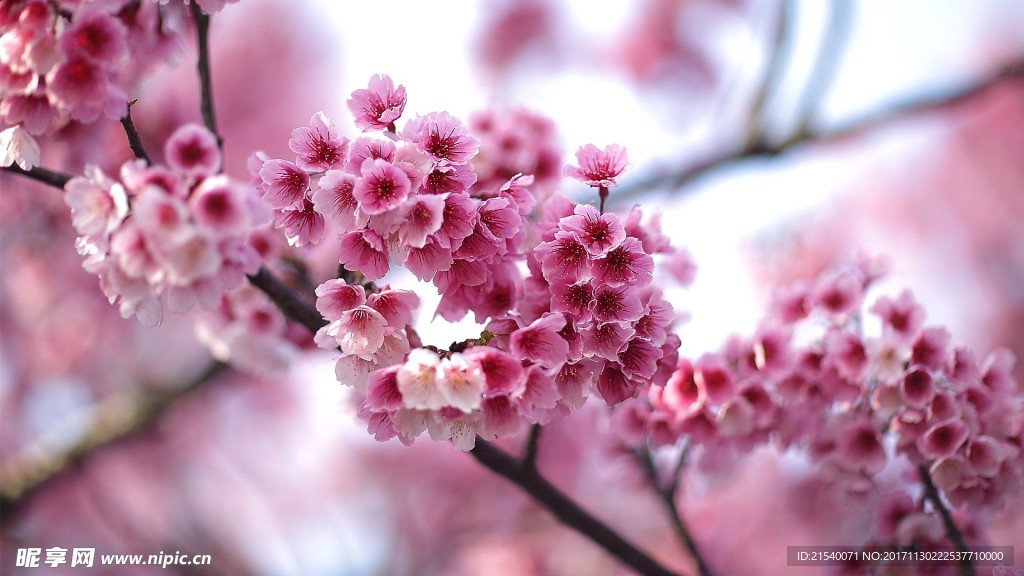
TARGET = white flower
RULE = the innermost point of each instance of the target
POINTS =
(17, 146)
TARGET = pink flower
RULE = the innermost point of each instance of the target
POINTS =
(381, 186)
(859, 447)
(302, 224)
(449, 178)
(219, 204)
(576, 300)
(613, 386)
(598, 168)
(598, 232)
(335, 297)
(626, 264)
(839, 293)
(931, 348)
(463, 382)
(359, 332)
(427, 261)
(503, 374)
(713, 379)
(903, 315)
(17, 146)
(423, 216)
(285, 183)
(943, 440)
(378, 106)
(917, 388)
(541, 342)
(96, 36)
(98, 204)
(396, 306)
(368, 148)
(419, 381)
(443, 137)
(457, 221)
(193, 149)
(319, 147)
(639, 360)
(84, 88)
(617, 304)
(333, 198)
(363, 251)
(564, 259)
(607, 340)
(382, 389)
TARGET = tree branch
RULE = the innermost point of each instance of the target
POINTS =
(48, 177)
(674, 179)
(772, 75)
(566, 510)
(931, 493)
(202, 20)
(288, 301)
(134, 141)
(667, 498)
(532, 446)
(115, 418)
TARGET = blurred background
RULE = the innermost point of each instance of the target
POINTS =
(777, 138)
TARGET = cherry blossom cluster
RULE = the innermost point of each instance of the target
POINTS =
(186, 235)
(69, 60)
(860, 390)
(564, 291)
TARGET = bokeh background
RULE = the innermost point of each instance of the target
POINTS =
(777, 138)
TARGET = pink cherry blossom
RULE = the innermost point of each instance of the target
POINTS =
(335, 297)
(359, 332)
(541, 342)
(443, 137)
(193, 149)
(419, 381)
(616, 304)
(319, 147)
(564, 259)
(333, 198)
(463, 382)
(302, 224)
(598, 168)
(285, 183)
(396, 306)
(378, 106)
(943, 439)
(423, 215)
(96, 36)
(382, 186)
(219, 204)
(625, 264)
(364, 252)
(598, 232)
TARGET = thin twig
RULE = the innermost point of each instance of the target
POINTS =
(667, 498)
(674, 179)
(114, 418)
(532, 447)
(823, 74)
(565, 509)
(134, 141)
(202, 20)
(49, 177)
(931, 493)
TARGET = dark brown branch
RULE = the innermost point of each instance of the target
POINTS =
(674, 179)
(49, 177)
(931, 493)
(134, 141)
(202, 20)
(115, 418)
(667, 498)
(288, 301)
(566, 510)
(532, 447)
